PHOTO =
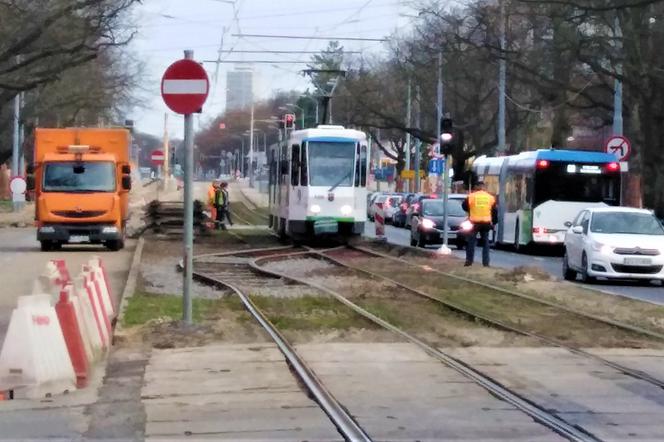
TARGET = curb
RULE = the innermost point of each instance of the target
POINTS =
(130, 288)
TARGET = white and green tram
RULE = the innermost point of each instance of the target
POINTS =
(318, 183)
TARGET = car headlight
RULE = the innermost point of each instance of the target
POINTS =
(602, 248)
(315, 208)
(466, 226)
(346, 210)
(109, 229)
(47, 229)
(428, 224)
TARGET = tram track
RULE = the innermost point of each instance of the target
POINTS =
(256, 263)
(240, 283)
(474, 315)
(516, 294)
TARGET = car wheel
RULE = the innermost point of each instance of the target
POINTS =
(585, 277)
(422, 242)
(568, 273)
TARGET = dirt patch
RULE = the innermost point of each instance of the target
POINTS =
(523, 274)
(630, 311)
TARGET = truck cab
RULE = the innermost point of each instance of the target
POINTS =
(81, 179)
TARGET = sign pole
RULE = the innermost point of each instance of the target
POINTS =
(188, 210)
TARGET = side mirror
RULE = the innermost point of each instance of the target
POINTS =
(30, 169)
(126, 182)
(568, 224)
(577, 230)
(30, 182)
(126, 169)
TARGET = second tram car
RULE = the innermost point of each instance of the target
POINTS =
(318, 183)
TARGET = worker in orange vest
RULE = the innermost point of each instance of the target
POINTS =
(212, 190)
(481, 208)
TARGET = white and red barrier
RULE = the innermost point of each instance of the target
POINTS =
(56, 336)
(379, 221)
(34, 356)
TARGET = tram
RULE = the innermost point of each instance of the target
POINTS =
(318, 183)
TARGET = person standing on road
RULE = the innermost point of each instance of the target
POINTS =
(212, 190)
(481, 207)
(226, 207)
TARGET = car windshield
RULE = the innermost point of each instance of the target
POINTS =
(632, 223)
(437, 208)
(331, 164)
(83, 177)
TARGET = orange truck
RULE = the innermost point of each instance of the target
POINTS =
(81, 179)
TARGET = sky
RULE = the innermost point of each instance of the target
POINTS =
(168, 27)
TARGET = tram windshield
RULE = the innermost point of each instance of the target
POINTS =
(574, 182)
(331, 163)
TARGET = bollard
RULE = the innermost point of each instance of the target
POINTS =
(379, 222)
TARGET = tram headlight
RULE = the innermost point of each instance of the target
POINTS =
(346, 210)
(315, 208)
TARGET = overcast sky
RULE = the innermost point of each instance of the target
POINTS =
(167, 27)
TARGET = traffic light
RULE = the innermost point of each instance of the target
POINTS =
(289, 121)
(447, 136)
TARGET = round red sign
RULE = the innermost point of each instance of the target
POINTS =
(157, 157)
(185, 86)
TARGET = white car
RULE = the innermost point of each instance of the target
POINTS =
(614, 242)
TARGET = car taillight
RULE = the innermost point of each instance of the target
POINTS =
(416, 207)
(404, 207)
(540, 230)
(542, 164)
(613, 167)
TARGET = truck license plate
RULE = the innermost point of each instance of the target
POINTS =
(638, 261)
(79, 238)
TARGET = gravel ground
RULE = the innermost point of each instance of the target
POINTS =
(298, 266)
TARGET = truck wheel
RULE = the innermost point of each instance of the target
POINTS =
(115, 245)
(46, 246)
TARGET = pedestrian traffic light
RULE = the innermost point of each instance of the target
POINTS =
(447, 136)
(289, 121)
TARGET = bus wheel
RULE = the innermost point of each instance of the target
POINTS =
(517, 239)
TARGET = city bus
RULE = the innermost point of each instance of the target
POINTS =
(538, 192)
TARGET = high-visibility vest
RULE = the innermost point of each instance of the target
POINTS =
(219, 198)
(211, 195)
(480, 205)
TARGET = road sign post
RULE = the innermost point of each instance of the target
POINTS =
(184, 88)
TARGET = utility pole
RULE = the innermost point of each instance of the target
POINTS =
(16, 206)
(251, 146)
(502, 80)
(417, 143)
(167, 155)
(618, 87)
(408, 123)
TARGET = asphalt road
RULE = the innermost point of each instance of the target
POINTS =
(549, 261)
(21, 262)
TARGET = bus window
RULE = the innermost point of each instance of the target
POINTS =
(295, 165)
(304, 178)
(558, 183)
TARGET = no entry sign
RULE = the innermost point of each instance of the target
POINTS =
(185, 86)
(157, 157)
